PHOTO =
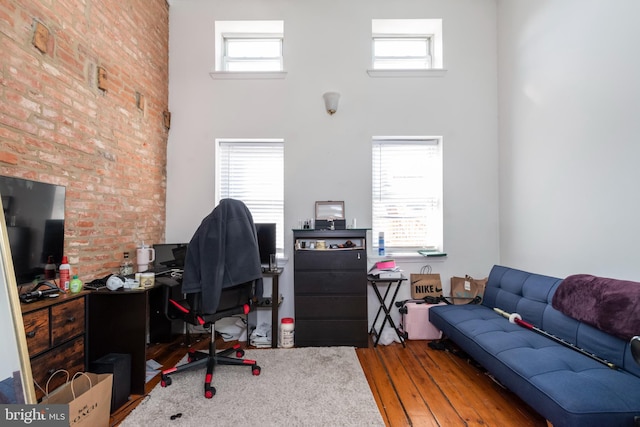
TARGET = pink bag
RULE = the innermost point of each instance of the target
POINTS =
(415, 323)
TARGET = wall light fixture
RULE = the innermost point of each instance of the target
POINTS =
(331, 101)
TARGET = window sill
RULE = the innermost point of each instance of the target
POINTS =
(440, 72)
(242, 75)
(406, 256)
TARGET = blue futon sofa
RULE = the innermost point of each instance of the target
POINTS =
(565, 386)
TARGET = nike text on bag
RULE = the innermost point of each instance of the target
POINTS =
(423, 285)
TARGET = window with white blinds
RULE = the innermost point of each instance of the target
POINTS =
(253, 171)
(407, 192)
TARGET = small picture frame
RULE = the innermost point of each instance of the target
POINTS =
(329, 210)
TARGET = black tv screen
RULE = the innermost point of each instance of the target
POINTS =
(34, 213)
(266, 241)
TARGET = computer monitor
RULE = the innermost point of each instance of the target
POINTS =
(266, 241)
(169, 256)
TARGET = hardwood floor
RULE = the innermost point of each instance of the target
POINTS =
(413, 386)
(419, 386)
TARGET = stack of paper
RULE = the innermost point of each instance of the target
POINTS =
(386, 269)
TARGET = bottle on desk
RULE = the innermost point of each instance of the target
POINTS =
(50, 269)
(126, 266)
(65, 274)
(75, 285)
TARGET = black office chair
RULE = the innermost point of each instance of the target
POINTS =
(234, 300)
(222, 275)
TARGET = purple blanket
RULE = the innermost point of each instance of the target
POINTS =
(610, 305)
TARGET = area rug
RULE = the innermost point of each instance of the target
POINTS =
(312, 386)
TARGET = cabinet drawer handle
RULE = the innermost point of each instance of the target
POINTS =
(71, 319)
(31, 334)
(358, 256)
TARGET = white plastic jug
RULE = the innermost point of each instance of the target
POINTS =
(144, 256)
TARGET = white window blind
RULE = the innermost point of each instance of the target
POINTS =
(253, 172)
(407, 192)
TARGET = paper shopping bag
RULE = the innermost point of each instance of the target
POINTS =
(88, 396)
(467, 290)
(423, 285)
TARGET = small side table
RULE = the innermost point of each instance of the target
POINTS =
(384, 306)
(275, 303)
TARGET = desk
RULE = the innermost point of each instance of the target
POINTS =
(384, 307)
(275, 304)
(123, 321)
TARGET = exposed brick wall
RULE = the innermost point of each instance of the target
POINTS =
(58, 126)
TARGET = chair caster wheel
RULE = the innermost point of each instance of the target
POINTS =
(209, 392)
(239, 353)
(165, 381)
(256, 370)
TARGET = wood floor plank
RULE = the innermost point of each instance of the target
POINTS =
(461, 393)
(383, 389)
(413, 402)
(443, 411)
(469, 386)
(504, 405)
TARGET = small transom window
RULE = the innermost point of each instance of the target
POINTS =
(402, 52)
(249, 46)
(252, 53)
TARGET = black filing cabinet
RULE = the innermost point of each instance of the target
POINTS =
(330, 288)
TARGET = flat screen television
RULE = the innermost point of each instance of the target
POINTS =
(34, 213)
(266, 241)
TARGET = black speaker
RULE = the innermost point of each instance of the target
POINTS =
(120, 366)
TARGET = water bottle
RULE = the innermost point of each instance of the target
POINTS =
(381, 243)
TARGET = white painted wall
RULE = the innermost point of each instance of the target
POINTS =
(327, 47)
(569, 84)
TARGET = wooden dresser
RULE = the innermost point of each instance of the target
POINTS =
(56, 336)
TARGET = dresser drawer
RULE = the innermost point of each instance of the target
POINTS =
(330, 282)
(331, 307)
(36, 327)
(314, 333)
(69, 357)
(331, 259)
(67, 320)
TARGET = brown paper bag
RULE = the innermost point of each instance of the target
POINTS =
(423, 285)
(88, 396)
(465, 289)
